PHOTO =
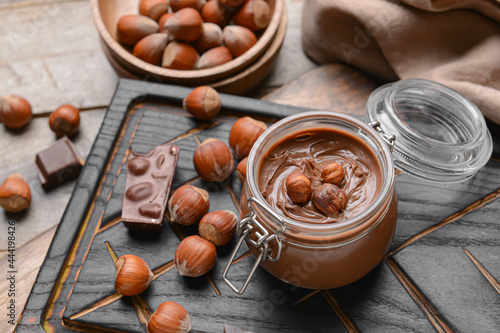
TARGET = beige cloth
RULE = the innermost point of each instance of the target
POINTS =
(454, 42)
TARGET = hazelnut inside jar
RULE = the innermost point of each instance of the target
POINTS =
(307, 246)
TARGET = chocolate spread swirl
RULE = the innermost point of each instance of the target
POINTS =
(309, 152)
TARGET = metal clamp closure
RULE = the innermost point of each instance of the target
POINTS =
(250, 226)
(390, 139)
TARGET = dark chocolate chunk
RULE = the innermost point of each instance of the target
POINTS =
(58, 163)
(233, 329)
(148, 185)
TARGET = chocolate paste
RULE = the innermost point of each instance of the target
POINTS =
(309, 152)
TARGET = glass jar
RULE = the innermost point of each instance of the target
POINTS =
(309, 255)
(441, 135)
(433, 133)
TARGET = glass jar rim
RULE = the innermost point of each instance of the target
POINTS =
(357, 223)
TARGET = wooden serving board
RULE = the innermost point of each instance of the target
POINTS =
(442, 271)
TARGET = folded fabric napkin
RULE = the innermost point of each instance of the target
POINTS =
(453, 42)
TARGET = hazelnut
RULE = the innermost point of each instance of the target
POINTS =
(238, 39)
(329, 199)
(153, 8)
(232, 3)
(254, 15)
(241, 170)
(15, 111)
(65, 120)
(179, 56)
(333, 173)
(214, 57)
(15, 194)
(298, 187)
(195, 256)
(177, 5)
(203, 103)
(163, 19)
(188, 204)
(185, 25)
(243, 135)
(210, 37)
(218, 227)
(169, 317)
(133, 275)
(213, 12)
(213, 160)
(150, 48)
(133, 28)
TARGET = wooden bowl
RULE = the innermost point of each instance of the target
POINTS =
(106, 14)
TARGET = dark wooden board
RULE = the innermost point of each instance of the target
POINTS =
(432, 279)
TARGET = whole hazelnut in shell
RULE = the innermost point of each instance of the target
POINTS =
(185, 25)
(333, 173)
(65, 120)
(179, 56)
(241, 170)
(329, 199)
(238, 39)
(214, 57)
(243, 135)
(133, 28)
(213, 160)
(203, 103)
(133, 275)
(15, 194)
(213, 12)
(153, 8)
(195, 256)
(210, 38)
(15, 111)
(254, 15)
(169, 317)
(150, 49)
(218, 227)
(298, 187)
(188, 204)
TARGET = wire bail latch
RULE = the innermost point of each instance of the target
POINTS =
(250, 226)
(390, 139)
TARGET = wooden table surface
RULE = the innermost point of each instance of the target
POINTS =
(50, 54)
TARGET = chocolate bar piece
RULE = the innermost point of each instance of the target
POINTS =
(148, 184)
(58, 163)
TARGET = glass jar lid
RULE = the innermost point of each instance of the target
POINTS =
(439, 134)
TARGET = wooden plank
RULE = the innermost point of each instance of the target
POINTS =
(18, 155)
(292, 61)
(29, 258)
(50, 54)
(333, 87)
(9, 4)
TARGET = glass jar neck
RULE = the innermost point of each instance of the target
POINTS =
(331, 234)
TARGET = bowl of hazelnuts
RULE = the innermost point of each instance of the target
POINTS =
(227, 44)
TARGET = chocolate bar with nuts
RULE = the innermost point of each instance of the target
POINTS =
(148, 184)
